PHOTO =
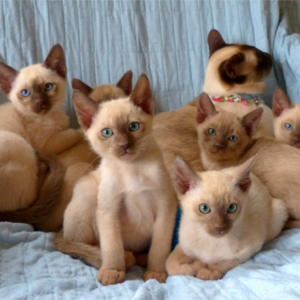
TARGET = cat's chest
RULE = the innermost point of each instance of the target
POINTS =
(209, 249)
(41, 128)
(133, 179)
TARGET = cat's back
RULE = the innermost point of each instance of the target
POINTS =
(176, 135)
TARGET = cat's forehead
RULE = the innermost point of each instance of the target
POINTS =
(213, 187)
(118, 111)
(36, 73)
(225, 122)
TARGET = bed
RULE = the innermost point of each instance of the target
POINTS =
(167, 41)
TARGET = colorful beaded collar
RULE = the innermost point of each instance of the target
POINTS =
(239, 98)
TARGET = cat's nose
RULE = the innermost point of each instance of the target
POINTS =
(124, 147)
(219, 146)
(220, 229)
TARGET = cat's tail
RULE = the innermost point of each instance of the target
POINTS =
(90, 255)
(48, 195)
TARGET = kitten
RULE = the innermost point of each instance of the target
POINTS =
(227, 217)
(33, 122)
(223, 136)
(175, 131)
(129, 200)
(37, 93)
(275, 164)
(80, 159)
(286, 119)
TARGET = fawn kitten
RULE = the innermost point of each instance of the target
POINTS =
(286, 119)
(227, 217)
(223, 136)
(129, 202)
(232, 69)
(275, 163)
(33, 122)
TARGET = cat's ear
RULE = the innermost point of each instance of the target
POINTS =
(7, 77)
(251, 121)
(281, 102)
(85, 108)
(185, 177)
(125, 83)
(232, 66)
(56, 61)
(242, 173)
(206, 108)
(141, 95)
(81, 86)
(215, 41)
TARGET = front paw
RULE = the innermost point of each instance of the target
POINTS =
(206, 274)
(159, 276)
(108, 277)
(129, 260)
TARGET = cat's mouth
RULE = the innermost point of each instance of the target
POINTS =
(42, 108)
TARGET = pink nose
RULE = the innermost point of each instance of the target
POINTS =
(220, 229)
(124, 147)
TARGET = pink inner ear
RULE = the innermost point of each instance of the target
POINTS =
(245, 183)
(86, 118)
(183, 185)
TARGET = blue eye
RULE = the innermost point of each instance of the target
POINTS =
(204, 208)
(134, 126)
(211, 131)
(232, 208)
(48, 86)
(288, 126)
(25, 93)
(233, 138)
(107, 132)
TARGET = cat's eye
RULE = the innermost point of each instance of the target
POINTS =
(204, 208)
(134, 126)
(288, 126)
(233, 138)
(48, 86)
(211, 131)
(25, 93)
(232, 208)
(107, 132)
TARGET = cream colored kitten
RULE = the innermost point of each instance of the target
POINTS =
(286, 119)
(34, 121)
(80, 159)
(227, 217)
(129, 200)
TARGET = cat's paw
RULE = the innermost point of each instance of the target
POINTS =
(108, 277)
(159, 276)
(129, 260)
(206, 274)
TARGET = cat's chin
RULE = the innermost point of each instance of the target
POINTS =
(126, 156)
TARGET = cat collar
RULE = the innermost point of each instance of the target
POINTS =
(237, 98)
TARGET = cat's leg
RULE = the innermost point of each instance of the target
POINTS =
(162, 238)
(278, 219)
(113, 266)
(18, 172)
(63, 140)
(178, 263)
(217, 271)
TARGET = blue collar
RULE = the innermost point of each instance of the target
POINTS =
(249, 96)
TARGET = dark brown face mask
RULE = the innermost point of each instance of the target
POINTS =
(235, 69)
